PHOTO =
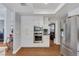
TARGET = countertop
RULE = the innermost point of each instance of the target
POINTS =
(2, 45)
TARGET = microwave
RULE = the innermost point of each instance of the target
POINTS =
(37, 28)
(45, 31)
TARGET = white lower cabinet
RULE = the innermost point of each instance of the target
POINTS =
(77, 53)
(2, 51)
(67, 51)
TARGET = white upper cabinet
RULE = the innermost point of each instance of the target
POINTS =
(2, 12)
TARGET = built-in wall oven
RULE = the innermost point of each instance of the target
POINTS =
(38, 34)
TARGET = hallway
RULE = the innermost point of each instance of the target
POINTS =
(53, 50)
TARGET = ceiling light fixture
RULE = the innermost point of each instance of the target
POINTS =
(45, 3)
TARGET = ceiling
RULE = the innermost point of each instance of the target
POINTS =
(35, 8)
(68, 7)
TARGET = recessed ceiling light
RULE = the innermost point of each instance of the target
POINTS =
(45, 3)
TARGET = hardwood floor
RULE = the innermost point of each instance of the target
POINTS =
(9, 49)
(53, 50)
(9, 52)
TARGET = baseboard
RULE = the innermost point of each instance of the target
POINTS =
(57, 43)
(14, 52)
(35, 46)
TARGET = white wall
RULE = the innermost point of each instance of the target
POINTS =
(11, 19)
(74, 12)
(7, 24)
(57, 39)
(27, 31)
(17, 33)
(56, 20)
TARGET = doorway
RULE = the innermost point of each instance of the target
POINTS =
(52, 33)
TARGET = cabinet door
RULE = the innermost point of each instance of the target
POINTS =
(70, 42)
(2, 51)
(67, 33)
(78, 34)
(74, 36)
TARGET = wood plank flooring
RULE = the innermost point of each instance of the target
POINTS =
(53, 50)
